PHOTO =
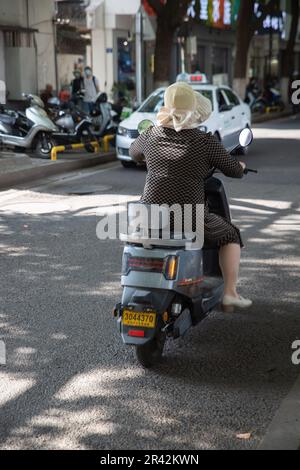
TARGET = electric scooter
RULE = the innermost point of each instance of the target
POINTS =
(168, 287)
(30, 131)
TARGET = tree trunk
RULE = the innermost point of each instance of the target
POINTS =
(243, 40)
(246, 26)
(163, 52)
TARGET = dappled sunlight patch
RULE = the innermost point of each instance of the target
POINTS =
(11, 250)
(269, 203)
(251, 209)
(281, 134)
(97, 382)
(13, 385)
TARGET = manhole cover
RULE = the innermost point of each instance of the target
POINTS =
(35, 207)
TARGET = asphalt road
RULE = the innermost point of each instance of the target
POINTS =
(69, 381)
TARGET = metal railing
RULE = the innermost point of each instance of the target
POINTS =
(62, 148)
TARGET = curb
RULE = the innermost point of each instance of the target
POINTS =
(284, 431)
(13, 178)
(271, 117)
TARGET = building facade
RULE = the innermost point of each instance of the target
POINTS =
(27, 46)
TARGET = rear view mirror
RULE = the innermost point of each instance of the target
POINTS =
(144, 125)
(246, 137)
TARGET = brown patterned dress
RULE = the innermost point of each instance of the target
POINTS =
(178, 164)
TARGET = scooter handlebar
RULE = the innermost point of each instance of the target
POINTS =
(249, 170)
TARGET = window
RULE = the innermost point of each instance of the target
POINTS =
(232, 98)
(207, 94)
(153, 103)
(18, 39)
(221, 99)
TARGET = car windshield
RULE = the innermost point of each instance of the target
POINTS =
(155, 102)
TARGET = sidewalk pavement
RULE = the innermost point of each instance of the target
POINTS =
(20, 168)
(260, 118)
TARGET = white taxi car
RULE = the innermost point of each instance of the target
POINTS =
(229, 117)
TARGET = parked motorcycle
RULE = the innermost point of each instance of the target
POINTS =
(168, 288)
(30, 131)
(74, 126)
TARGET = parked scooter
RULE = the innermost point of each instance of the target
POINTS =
(168, 288)
(30, 131)
(105, 119)
(270, 98)
(74, 126)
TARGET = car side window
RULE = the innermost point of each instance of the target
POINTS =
(221, 99)
(232, 98)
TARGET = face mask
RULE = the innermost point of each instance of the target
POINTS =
(88, 73)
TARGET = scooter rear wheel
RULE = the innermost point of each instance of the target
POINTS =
(150, 354)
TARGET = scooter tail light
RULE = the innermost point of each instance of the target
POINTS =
(166, 266)
(137, 263)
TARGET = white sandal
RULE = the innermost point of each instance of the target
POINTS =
(229, 303)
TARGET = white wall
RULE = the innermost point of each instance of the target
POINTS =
(104, 17)
(12, 12)
(2, 57)
(41, 13)
(20, 58)
(2, 71)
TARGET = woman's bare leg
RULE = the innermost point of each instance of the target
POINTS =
(229, 259)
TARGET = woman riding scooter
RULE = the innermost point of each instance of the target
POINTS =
(179, 158)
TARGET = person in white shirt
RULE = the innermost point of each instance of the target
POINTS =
(91, 89)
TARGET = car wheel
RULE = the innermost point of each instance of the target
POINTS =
(128, 164)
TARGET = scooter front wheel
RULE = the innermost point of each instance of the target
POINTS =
(150, 354)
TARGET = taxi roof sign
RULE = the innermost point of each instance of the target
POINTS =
(191, 78)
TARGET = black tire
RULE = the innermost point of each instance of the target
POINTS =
(150, 354)
(86, 136)
(43, 146)
(127, 164)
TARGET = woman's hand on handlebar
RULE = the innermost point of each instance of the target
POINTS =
(243, 165)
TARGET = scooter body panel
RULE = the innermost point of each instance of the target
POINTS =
(40, 118)
(189, 266)
(151, 290)
(26, 141)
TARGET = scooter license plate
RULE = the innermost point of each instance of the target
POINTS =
(139, 319)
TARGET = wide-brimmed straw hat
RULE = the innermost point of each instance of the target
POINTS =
(184, 108)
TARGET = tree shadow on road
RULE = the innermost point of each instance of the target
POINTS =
(70, 383)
